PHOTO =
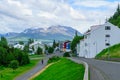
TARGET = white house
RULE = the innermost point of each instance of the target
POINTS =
(19, 46)
(35, 45)
(98, 38)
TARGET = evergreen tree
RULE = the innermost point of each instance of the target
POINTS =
(21, 42)
(54, 44)
(115, 19)
(50, 50)
(3, 42)
(39, 51)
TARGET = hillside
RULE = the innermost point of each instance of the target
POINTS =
(115, 19)
(112, 52)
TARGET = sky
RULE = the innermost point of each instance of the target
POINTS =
(17, 15)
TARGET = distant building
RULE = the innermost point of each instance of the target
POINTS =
(64, 46)
(98, 38)
(34, 46)
(19, 46)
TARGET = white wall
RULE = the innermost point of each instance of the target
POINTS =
(96, 40)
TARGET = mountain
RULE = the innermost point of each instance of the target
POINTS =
(10, 34)
(115, 19)
(53, 32)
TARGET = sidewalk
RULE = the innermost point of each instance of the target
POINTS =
(37, 68)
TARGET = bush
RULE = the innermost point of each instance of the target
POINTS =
(66, 54)
(53, 59)
(14, 64)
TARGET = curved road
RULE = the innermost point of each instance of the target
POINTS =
(37, 68)
(102, 70)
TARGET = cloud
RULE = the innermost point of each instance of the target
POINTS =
(17, 15)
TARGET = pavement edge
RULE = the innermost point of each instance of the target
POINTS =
(86, 74)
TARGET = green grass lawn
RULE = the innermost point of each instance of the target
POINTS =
(36, 56)
(8, 73)
(112, 52)
(63, 70)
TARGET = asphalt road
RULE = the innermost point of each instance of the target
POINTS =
(102, 70)
(37, 68)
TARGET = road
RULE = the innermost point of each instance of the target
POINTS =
(102, 70)
(37, 68)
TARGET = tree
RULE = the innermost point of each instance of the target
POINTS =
(14, 64)
(3, 54)
(54, 44)
(50, 50)
(39, 51)
(21, 42)
(8, 54)
(26, 48)
(30, 41)
(3, 42)
(46, 47)
(115, 19)
(74, 42)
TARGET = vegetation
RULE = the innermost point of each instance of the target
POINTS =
(34, 56)
(50, 50)
(74, 42)
(21, 42)
(66, 54)
(8, 54)
(39, 51)
(7, 73)
(14, 64)
(63, 70)
(53, 59)
(111, 52)
(30, 41)
(55, 44)
(115, 19)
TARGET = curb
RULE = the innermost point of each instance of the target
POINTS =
(39, 72)
(86, 74)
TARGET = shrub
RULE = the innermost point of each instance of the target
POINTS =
(14, 64)
(53, 59)
(66, 54)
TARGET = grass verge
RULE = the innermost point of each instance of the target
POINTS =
(111, 53)
(8, 73)
(63, 70)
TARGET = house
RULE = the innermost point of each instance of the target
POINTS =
(64, 46)
(98, 38)
(19, 46)
(34, 46)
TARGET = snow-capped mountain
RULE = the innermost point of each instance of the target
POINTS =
(53, 32)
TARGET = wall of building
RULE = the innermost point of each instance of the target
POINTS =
(95, 41)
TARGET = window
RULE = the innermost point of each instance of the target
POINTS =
(107, 28)
(107, 44)
(107, 35)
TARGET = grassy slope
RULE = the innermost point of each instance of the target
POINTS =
(8, 73)
(63, 70)
(114, 52)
